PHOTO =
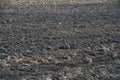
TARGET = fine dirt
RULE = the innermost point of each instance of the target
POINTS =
(60, 42)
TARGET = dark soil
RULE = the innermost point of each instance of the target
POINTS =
(60, 42)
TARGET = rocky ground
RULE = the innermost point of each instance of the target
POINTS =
(60, 42)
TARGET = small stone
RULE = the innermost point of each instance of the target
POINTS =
(8, 58)
(92, 53)
(92, 72)
(28, 51)
(78, 71)
(24, 79)
(113, 46)
(50, 57)
(67, 46)
(74, 54)
(9, 20)
(87, 60)
(103, 73)
(102, 49)
(105, 49)
(60, 23)
(48, 48)
(115, 54)
(48, 78)
(69, 75)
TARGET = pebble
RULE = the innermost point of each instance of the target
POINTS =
(74, 54)
(105, 49)
(67, 46)
(60, 23)
(113, 46)
(47, 78)
(115, 55)
(87, 60)
(102, 48)
(103, 73)
(24, 79)
(9, 20)
(92, 53)
(78, 71)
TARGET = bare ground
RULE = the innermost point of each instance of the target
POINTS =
(60, 42)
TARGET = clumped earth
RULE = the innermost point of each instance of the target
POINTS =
(60, 42)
